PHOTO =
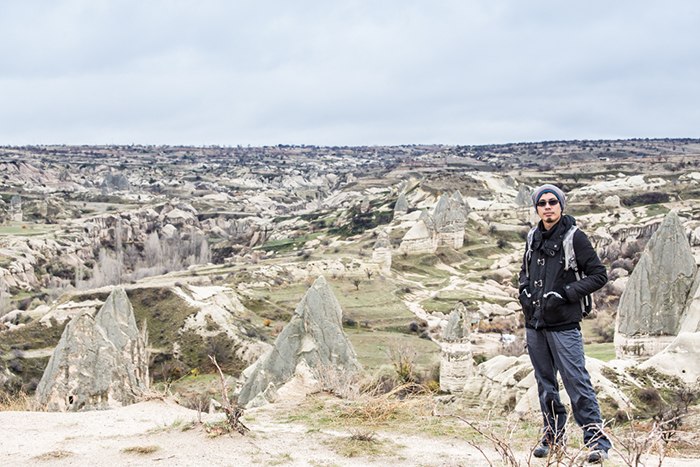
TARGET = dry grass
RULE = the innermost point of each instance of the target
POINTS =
(19, 402)
(363, 445)
(343, 384)
(376, 410)
(148, 449)
(51, 455)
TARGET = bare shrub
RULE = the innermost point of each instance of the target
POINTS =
(346, 385)
(233, 412)
(604, 326)
(635, 446)
(403, 358)
(649, 396)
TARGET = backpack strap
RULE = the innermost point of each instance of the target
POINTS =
(570, 262)
(569, 252)
(528, 250)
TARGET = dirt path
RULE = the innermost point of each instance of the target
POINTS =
(101, 439)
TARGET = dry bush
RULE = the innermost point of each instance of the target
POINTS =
(19, 402)
(403, 358)
(637, 446)
(604, 326)
(376, 409)
(500, 326)
(346, 385)
(233, 412)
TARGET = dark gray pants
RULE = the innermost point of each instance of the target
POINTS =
(562, 351)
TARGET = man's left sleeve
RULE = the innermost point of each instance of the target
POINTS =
(591, 266)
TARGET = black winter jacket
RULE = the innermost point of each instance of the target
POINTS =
(550, 295)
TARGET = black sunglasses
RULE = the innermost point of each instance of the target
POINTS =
(552, 202)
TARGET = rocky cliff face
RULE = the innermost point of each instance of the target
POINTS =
(100, 361)
(314, 335)
(655, 297)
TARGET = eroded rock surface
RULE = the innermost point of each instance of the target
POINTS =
(100, 362)
(655, 297)
(315, 335)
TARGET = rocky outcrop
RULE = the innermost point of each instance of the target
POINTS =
(419, 239)
(314, 335)
(15, 210)
(681, 358)
(458, 325)
(401, 206)
(445, 226)
(508, 385)
(100, 362)
(381, 253)
(654, 300)
(524, 197)
(116, 182)
(691, 316)
(456, 359)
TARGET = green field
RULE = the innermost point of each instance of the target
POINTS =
(19, 229)
(604, 351)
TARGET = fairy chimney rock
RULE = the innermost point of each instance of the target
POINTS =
(458, 325)
(314, 334)
(456, 359)
(652, 306)
(524, 197)
(381, 252)
(401, 206)
(450, 217)
(100, 362)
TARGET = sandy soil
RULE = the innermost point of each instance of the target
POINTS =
(100, 439)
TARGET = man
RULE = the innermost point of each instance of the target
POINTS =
(550, 295)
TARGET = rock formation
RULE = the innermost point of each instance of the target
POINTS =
(445, 226)
(401, 206)
(16, 208)
(450, 216)
(691, 316)
(419, 239)
(524, 197)
(458, 325)
(381, 252)
(681, 358)
(100, 361)
(314, 337)
(456, 362)
(116, 182)
(507, 384)
(653, 303)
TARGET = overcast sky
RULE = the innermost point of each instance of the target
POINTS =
(341, 72)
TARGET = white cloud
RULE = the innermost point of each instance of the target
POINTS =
(346, 72)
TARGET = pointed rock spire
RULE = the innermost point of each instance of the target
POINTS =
(401, 206)
(656, 294)
(315, 335)
(99, 362)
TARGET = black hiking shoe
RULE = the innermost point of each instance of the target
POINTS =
(541, 451)
(597, 457)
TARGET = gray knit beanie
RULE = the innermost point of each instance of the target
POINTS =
(548, 189)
